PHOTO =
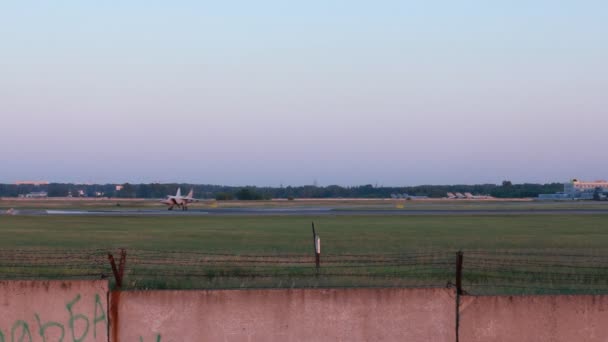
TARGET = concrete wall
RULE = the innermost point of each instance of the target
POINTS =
(285, 315)
(534, 318)
(48, 311)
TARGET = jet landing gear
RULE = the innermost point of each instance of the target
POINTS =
(182, 207)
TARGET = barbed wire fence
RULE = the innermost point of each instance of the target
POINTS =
(36, 263)
(544, 272)
(156, 268)
(482, 272)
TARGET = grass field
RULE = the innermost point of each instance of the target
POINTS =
(530, 253)
(288, 234)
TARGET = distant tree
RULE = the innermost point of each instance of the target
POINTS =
(58, 190)
(224, 196)
(248, 194)
(155, 190)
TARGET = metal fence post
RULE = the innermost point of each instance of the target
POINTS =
(459, 260)
(120, 270)
(317, 248)
(459, 291)
(318, 252)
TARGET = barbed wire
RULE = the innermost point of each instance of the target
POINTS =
(483, 272)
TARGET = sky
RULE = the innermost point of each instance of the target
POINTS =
(301, 92)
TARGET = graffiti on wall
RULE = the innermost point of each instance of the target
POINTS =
(158, 339)
(78, 321)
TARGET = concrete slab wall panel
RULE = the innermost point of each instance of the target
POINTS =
(534, 318)
(286, 315)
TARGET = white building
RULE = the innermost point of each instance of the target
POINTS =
(576, 189)
(36, 183)
(38, 194)
(575, 186)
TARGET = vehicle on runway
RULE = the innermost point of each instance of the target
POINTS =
(179, 200)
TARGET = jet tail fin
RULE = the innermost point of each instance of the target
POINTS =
(179, 192)
(191, 193)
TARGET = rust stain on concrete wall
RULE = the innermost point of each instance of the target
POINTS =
(114, 315)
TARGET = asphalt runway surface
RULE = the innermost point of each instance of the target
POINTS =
(319, 211)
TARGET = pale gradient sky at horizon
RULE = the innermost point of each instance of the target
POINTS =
(277, 92)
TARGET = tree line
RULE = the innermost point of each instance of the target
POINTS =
(221, 192)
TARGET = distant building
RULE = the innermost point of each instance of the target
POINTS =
(37, 183)
(556, 196)
(576, 189)
(576, 186)
(38, 194)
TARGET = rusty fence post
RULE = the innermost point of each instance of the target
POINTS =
(459, 291)
(459, 260)
(120, 270)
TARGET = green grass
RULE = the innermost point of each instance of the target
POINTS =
(555, 235)
(288, 234)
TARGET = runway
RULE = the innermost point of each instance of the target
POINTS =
(318, 211)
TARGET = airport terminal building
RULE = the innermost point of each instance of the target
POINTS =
(576, 186)
(577, 189)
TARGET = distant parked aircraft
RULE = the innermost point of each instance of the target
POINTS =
(179, 200)
(459, 195)
(451, 195)
(471, 196)
(407, 196)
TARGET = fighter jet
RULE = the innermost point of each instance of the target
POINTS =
(179, 200)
